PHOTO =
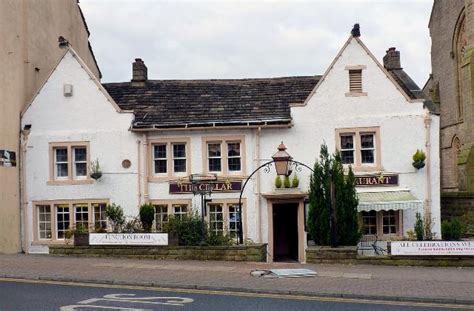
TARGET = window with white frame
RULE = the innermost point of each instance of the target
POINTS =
(61, 163)
(233, 157)
(233, 220)
(44, 221)
(180, 210)
(160, 160)
(54, 218)
(179, 157)
(369, 221)
(347, 148)
(367, 148)
(224, 156)
(81, 216)
(100, 217)
(216, 218)
(80, 162)
(69, 162)
(359, 147)
(169, 157)
(62, 220)
(214, 156)
(389, 224)
(161, 216)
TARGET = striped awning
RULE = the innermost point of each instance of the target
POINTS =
(387, 200)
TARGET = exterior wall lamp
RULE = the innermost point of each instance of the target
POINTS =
(282, 160)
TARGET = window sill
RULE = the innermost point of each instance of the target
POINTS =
(69, 182)
(160, 179)
(365, 169)
(49, 242)
(358, 94)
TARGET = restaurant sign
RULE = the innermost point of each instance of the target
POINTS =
(128, 239)
(216, 186)
(430, 248)
(377, 180)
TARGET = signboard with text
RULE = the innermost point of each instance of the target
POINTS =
(377, 180)
(7, 158)
(218, 186)
(430, 248)
(128, 239)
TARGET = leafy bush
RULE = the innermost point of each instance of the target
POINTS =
(419, 158)
(411, 235)
(189, 229)
(147, 216)
(453, 230)
(278, 182)
(133, 225)
(286, 182)
(218, 239)
(115, 215)
(295, 182)
(419, 227)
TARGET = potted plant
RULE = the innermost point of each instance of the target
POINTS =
(81, 235)
(96, 171)
(278, 182)
(295, 182)
(419, 158)
(286, 182)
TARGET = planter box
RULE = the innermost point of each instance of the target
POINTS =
(81, 239)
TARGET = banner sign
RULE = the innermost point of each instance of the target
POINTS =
(224, 186)
(374, 180)
(430, 248)
(128, 239)
(7, 158)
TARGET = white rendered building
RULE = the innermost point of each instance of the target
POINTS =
(151, 135)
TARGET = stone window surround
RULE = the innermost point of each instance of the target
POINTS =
(357, 132)
(223, 140)
(225, 210)
(170, 202)
(70, 180)
(379, 222)
(356, 67)
(152, 177)
(72, 220)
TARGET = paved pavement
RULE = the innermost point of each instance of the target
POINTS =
(429, 284)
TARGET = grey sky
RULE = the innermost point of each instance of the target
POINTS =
(238, 39)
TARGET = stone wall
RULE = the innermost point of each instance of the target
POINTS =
(456, 204)
(256, 252)
(321, 254)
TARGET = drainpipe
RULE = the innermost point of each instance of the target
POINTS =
(146, 195)
(139, 172)
(257, 205)
(428, 163)
(23, 196)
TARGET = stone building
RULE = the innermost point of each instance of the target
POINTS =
(451, 87)
(151, 136)
(29, 31)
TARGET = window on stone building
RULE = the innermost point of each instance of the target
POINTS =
(216, 218)
(360, 147)
(69, 163)
(100, 218)
(460, 49)
(369, 221)
(224, 155)
(223, 217)
(389, 224)
(44, 221)
(169, 158)
(161, 216)
(180, 210)
(81, 215)
(62, 220)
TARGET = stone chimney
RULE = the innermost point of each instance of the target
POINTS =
(140, 73)
(391, 60)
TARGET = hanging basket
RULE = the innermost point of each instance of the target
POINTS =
(96, 175)
(418, 164)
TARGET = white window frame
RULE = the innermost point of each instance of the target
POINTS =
(209, 157)
(45, 222)
(358, 133)
(174, 158)
(224, 142)
(57, 163)
(234, 157)
(71, 178)
(170, 172)
(165, 159)
(76, 162)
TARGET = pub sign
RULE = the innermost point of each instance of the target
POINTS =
(377, 180)
(216, 186)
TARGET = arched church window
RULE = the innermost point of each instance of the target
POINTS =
(460, 48)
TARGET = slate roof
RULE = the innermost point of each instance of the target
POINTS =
(205, 103)
(406, 83)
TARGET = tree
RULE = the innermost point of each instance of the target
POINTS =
(147, 216)
(327, 170)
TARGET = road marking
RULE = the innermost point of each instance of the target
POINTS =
(246, 294)
(130, 298)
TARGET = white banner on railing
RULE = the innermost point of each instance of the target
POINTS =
(430, 248)
(128, 239)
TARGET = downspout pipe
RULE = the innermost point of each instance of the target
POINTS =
(428, 200)
(23, 196)
(257, 203)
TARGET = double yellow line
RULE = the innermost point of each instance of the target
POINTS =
(247, 294)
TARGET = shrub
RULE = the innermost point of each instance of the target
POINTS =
(133, 225)
(218, 239)
(147, 216)
(286, 182)
(419, 159)
(278, 182)
(453, 230)
(411, 235)
(419, 227)
(295, 182)
(115, 215)
(189, 229)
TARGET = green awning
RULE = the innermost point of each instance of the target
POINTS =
(388, 200)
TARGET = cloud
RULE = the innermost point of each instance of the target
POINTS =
(225, 39)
